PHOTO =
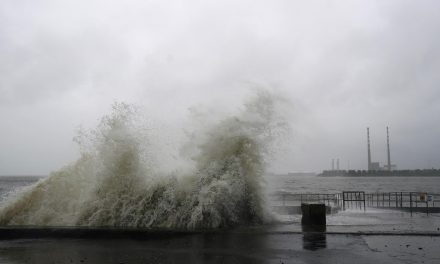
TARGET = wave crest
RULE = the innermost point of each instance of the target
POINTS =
(116, 182)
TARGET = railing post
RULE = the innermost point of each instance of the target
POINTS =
(410, 202)
(343, 201)
(364, 202)
(400, 199)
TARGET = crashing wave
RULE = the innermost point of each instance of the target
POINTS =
(116, 183)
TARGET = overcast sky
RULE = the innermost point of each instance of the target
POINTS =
(344, 65)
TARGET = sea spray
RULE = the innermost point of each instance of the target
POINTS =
(116, 182)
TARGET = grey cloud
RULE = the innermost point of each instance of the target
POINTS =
(344, 65)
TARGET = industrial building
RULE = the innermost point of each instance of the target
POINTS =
(375, 166)
(376, 170)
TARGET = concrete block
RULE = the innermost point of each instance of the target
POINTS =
(313, 214)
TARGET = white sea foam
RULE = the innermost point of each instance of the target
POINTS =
(118, 181)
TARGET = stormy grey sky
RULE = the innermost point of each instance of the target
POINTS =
(344, 65)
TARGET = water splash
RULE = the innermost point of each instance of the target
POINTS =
(117, 183)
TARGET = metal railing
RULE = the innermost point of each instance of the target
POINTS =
(406, 200)
(412, 201)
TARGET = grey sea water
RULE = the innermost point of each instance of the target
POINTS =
(10, 184)
(295, 184)
(298, 184)
(316, 184)
(351, 220)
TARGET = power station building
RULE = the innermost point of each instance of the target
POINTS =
(374, 166)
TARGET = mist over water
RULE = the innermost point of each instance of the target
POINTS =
(120, 180)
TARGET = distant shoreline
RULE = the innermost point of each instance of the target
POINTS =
(382, 173)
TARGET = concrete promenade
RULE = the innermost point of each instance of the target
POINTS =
(250, 245)
(351, 236)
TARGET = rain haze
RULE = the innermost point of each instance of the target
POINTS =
(342, 65)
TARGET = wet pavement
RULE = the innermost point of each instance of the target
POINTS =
(228, 247)
(359, 237)
(372, 220)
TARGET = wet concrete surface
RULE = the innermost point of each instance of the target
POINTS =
(372, 220)
(357, 237)
(227, 247)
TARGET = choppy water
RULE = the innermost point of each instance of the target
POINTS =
(352, 220)
(9, 184)
(316, 184)
(295, 184)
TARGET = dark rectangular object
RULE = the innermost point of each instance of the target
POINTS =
(313, 214)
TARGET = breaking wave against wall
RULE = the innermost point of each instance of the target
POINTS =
(117, 181)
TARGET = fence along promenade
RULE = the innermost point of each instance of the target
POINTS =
(409, 201)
